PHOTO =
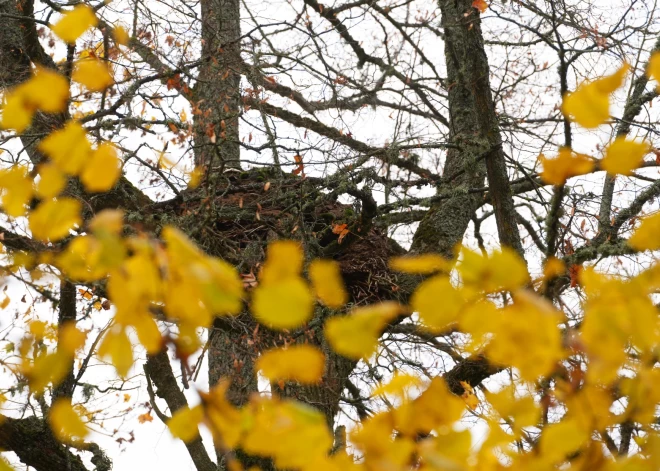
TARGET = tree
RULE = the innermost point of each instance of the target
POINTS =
(170, 186)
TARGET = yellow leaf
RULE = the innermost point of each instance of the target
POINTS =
(283, 305)
(110, 221)
(46, 368)
(503, 270)
(356, 335)
(74, 23)
(65, 422)
(53, 219)
(195, 177)
(647, 235)
(16, 112)
(561, 439)
(424, 264)
(94, 74)
(51, 181)
(38, 329)
(566, 165)
(121, 35)
(4, 466)
(436, 407)
(67, 147)
(17, 190)
(212, 281)
(70, 338)
(436, 315)
(184, 423)
(47, 91)
(553, 267)
(102, 171)
(284, 259)
(589, 104)
(147, 332)
(623, 156)
(325, 276)
(117, 346)
(451, 450)
(301, 363)
(223, 419)
(526, 335)
(292, 433)
(653, 68)
(398, 386)
(519, 412)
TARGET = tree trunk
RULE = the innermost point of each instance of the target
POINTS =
(474, 129)
(216, 94)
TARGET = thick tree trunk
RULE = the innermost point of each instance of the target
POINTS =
(217, 92)
(474, 129)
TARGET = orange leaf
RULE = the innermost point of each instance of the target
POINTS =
(480, 5)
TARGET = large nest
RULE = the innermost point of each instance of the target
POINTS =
(236, 216)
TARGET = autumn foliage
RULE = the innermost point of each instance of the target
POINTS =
(602, 368)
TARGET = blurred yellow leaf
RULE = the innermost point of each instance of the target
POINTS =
(553, 267)
(117, 346)
(184, 423)
(51, 181)
(70, 338)
(653, 69)
(47, 91)
(589, 104)
(195, 177)
(16, 112)
(121, 35)
(647, 235)
(398, 386)
(53, 219)
(502, 270)
(147, 331)
(356, 335)
(94, 74)
(526, 335)
(65, 422)
(424, 264)
(325, 276)
(518, 411)
(74, 23)
(108, 220)
(45, 369)
(623, 156)
(17, 189)
(561, 439)
(567, 164)
(284, 259)
(68, 147)
(436, 315)
(283, 305)
(301, 363)
(38, 329)
(103, 169)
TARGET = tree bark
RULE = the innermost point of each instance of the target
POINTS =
(216, 94)
(474, 129)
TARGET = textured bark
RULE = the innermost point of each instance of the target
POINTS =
(474, 128)
(467, 70)
(35, 445)
(66, 315)
(217, 92)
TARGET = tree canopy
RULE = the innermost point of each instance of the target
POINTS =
(379, 235)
